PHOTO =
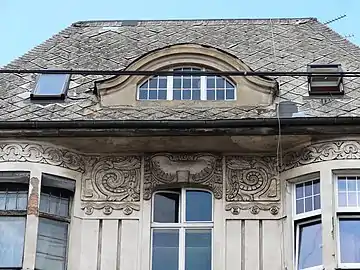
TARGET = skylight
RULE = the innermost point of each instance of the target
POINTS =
(324, 84)
(51, 86)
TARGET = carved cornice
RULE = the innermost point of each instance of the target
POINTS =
(45, 154)
(320, 152)
(251, 179)
(197, 169)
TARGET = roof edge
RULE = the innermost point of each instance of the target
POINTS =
(87, 22)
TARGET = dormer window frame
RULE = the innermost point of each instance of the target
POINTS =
(322, 85)
(201, 92)
(37, 95)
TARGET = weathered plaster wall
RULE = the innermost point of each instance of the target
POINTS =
(110, 227)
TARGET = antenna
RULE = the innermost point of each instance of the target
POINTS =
(336, 19)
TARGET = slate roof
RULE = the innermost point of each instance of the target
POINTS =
(115, 44)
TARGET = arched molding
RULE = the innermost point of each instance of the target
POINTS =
(322, 151)
(184, 55)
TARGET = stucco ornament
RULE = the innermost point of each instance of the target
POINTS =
(253, 208)
(197, 169)
(252, 184)
(322, 151)
(107, 208)
(45, 154)
(251, 179)
(111, 183)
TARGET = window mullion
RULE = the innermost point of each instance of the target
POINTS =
(182, 248)
(203, 88)
(169, 86)
(32, 220)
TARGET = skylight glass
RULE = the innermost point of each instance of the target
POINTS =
(51, 86)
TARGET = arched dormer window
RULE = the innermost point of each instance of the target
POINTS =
(187, 87)
(133, 90)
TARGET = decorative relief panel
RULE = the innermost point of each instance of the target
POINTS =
(111, 183)
(252, 184)
(322, 151)
(36, 153)
(198, 169)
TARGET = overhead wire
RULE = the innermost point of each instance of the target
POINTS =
(179, 73)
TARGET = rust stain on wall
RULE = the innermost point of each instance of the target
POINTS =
(33, 204)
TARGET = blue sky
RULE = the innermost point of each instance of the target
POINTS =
(24, 24)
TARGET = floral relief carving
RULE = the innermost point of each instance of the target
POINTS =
(251, 179)
(322, 151)
(198, 169)
(36, 153)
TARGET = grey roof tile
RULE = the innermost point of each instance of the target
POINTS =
(263, 44)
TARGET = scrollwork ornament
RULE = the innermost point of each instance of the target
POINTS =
(45, 154)
(251, 179)
(320, 152)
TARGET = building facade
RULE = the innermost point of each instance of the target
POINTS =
(186, 169)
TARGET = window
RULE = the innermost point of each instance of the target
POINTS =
(54, 219)
(348, 208)
(51, 86)
(187, 87)
(52, 223)
(13, 205)
(323, 84)
(182, 224)
(307, 223)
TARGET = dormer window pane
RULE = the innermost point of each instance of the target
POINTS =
(51, 86)
(187, 87)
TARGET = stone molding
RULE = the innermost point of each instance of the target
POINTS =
(165, 169)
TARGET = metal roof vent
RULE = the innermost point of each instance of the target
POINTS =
(287, 109)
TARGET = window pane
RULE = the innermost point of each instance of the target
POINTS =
(210, 94)
(307, 196)
(12, 233)
(198, 205)
(349, 240)
(13, 199)
(51, 244)
(166, 207)
(198, 249)
(143, 94)
(165, 253)
(196, 95)
(51, 84)
(348, 191)
(177, 95)
(54, 205)
(230, 94)
(310, 241)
